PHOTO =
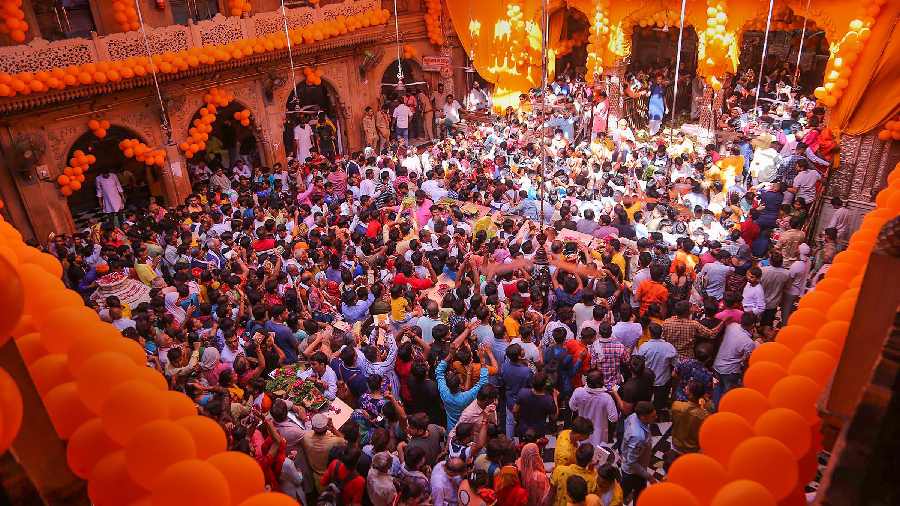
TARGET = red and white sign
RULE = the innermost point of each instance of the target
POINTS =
(435, 63)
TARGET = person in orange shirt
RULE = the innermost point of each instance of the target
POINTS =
(653, 291)
(578, 350)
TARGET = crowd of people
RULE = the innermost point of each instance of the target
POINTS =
(507, 314)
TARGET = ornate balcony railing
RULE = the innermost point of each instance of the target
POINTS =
(41, 55)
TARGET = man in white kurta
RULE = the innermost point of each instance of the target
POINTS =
(303, 136)
(109, 191)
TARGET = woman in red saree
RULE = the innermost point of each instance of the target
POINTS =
(508, 488)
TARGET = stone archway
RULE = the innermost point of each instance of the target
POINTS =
(139, 181)
(229, 139)
(306, 102)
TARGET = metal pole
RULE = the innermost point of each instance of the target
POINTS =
(802, 40)
(762, 63)
(545, 34)
(162, 106)
(677, 68)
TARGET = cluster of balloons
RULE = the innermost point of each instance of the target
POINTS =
(409, 52)
(661, 19)
(243, 117)
(564, 47)
(718, 46)
(125, 15)
(133, 148)
(98, 127)
(239, 7)
(845, 54)
(25, 83)
(606, 42)
(71, 179)
(760, 448)
(201, 127)
(433, 22)
(313, 76)
(891, 130)
(12, 20)
(129, 436)
(783, 19)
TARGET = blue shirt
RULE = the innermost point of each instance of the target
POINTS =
(637, 445)
(357, 312)
(455, 403)
(661, 356)
(515, 377)
(285, 340)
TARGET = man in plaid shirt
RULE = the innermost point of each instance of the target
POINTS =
(608, 355)
(681, 331)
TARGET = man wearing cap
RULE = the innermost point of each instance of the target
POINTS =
(317, 444)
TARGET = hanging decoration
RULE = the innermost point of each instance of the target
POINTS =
(243, 117)
(891, 130)
(201, 127)
(409, 52)
(717, 51)
(313, 76)
(133, 148)
(239, 7)
(73, 175)
(597, 48)
(433, 22)
(25, 83)
(125, 15)
(844, 55)
(660, 19)
(98, 127)
(12, 20)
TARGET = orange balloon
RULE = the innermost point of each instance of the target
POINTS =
(807, 317)
(152, 377)
(746, 402)
(763, 375)
(273, 499)
(845, 272)
(823, 345)
(63, 298)
(96, 338)
(816, 299)
(842, 310)
(794, 336)
(10, 409)
(179, 405)
(815, 365)
(850, 257)
(87, 446)
(833, 286)
(699, 473)
(130, 405)
(56, 327)
(835, 331)
(667, 494)
(862, 245)
(721, 432)
(26, 325)
(787, 426)
(49, 371)
(743, 493)
(66, 409)
(100, 374)
(110, 483)
(155, 446)
(30, 347)
(245, 477)
(191, 481)
(209, 438)
(36, 282)
(47, 262)
(772, 352)
(798, 393)
(765, 460)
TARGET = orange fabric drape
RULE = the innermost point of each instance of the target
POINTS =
(873, 96)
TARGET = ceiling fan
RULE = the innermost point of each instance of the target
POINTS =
(400, 86)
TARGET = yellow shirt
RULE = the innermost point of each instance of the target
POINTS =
(512, 326)
(565, 450)
(398, 308)
(619, 260)
(561, 475)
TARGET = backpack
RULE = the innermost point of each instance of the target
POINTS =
(552, 367)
